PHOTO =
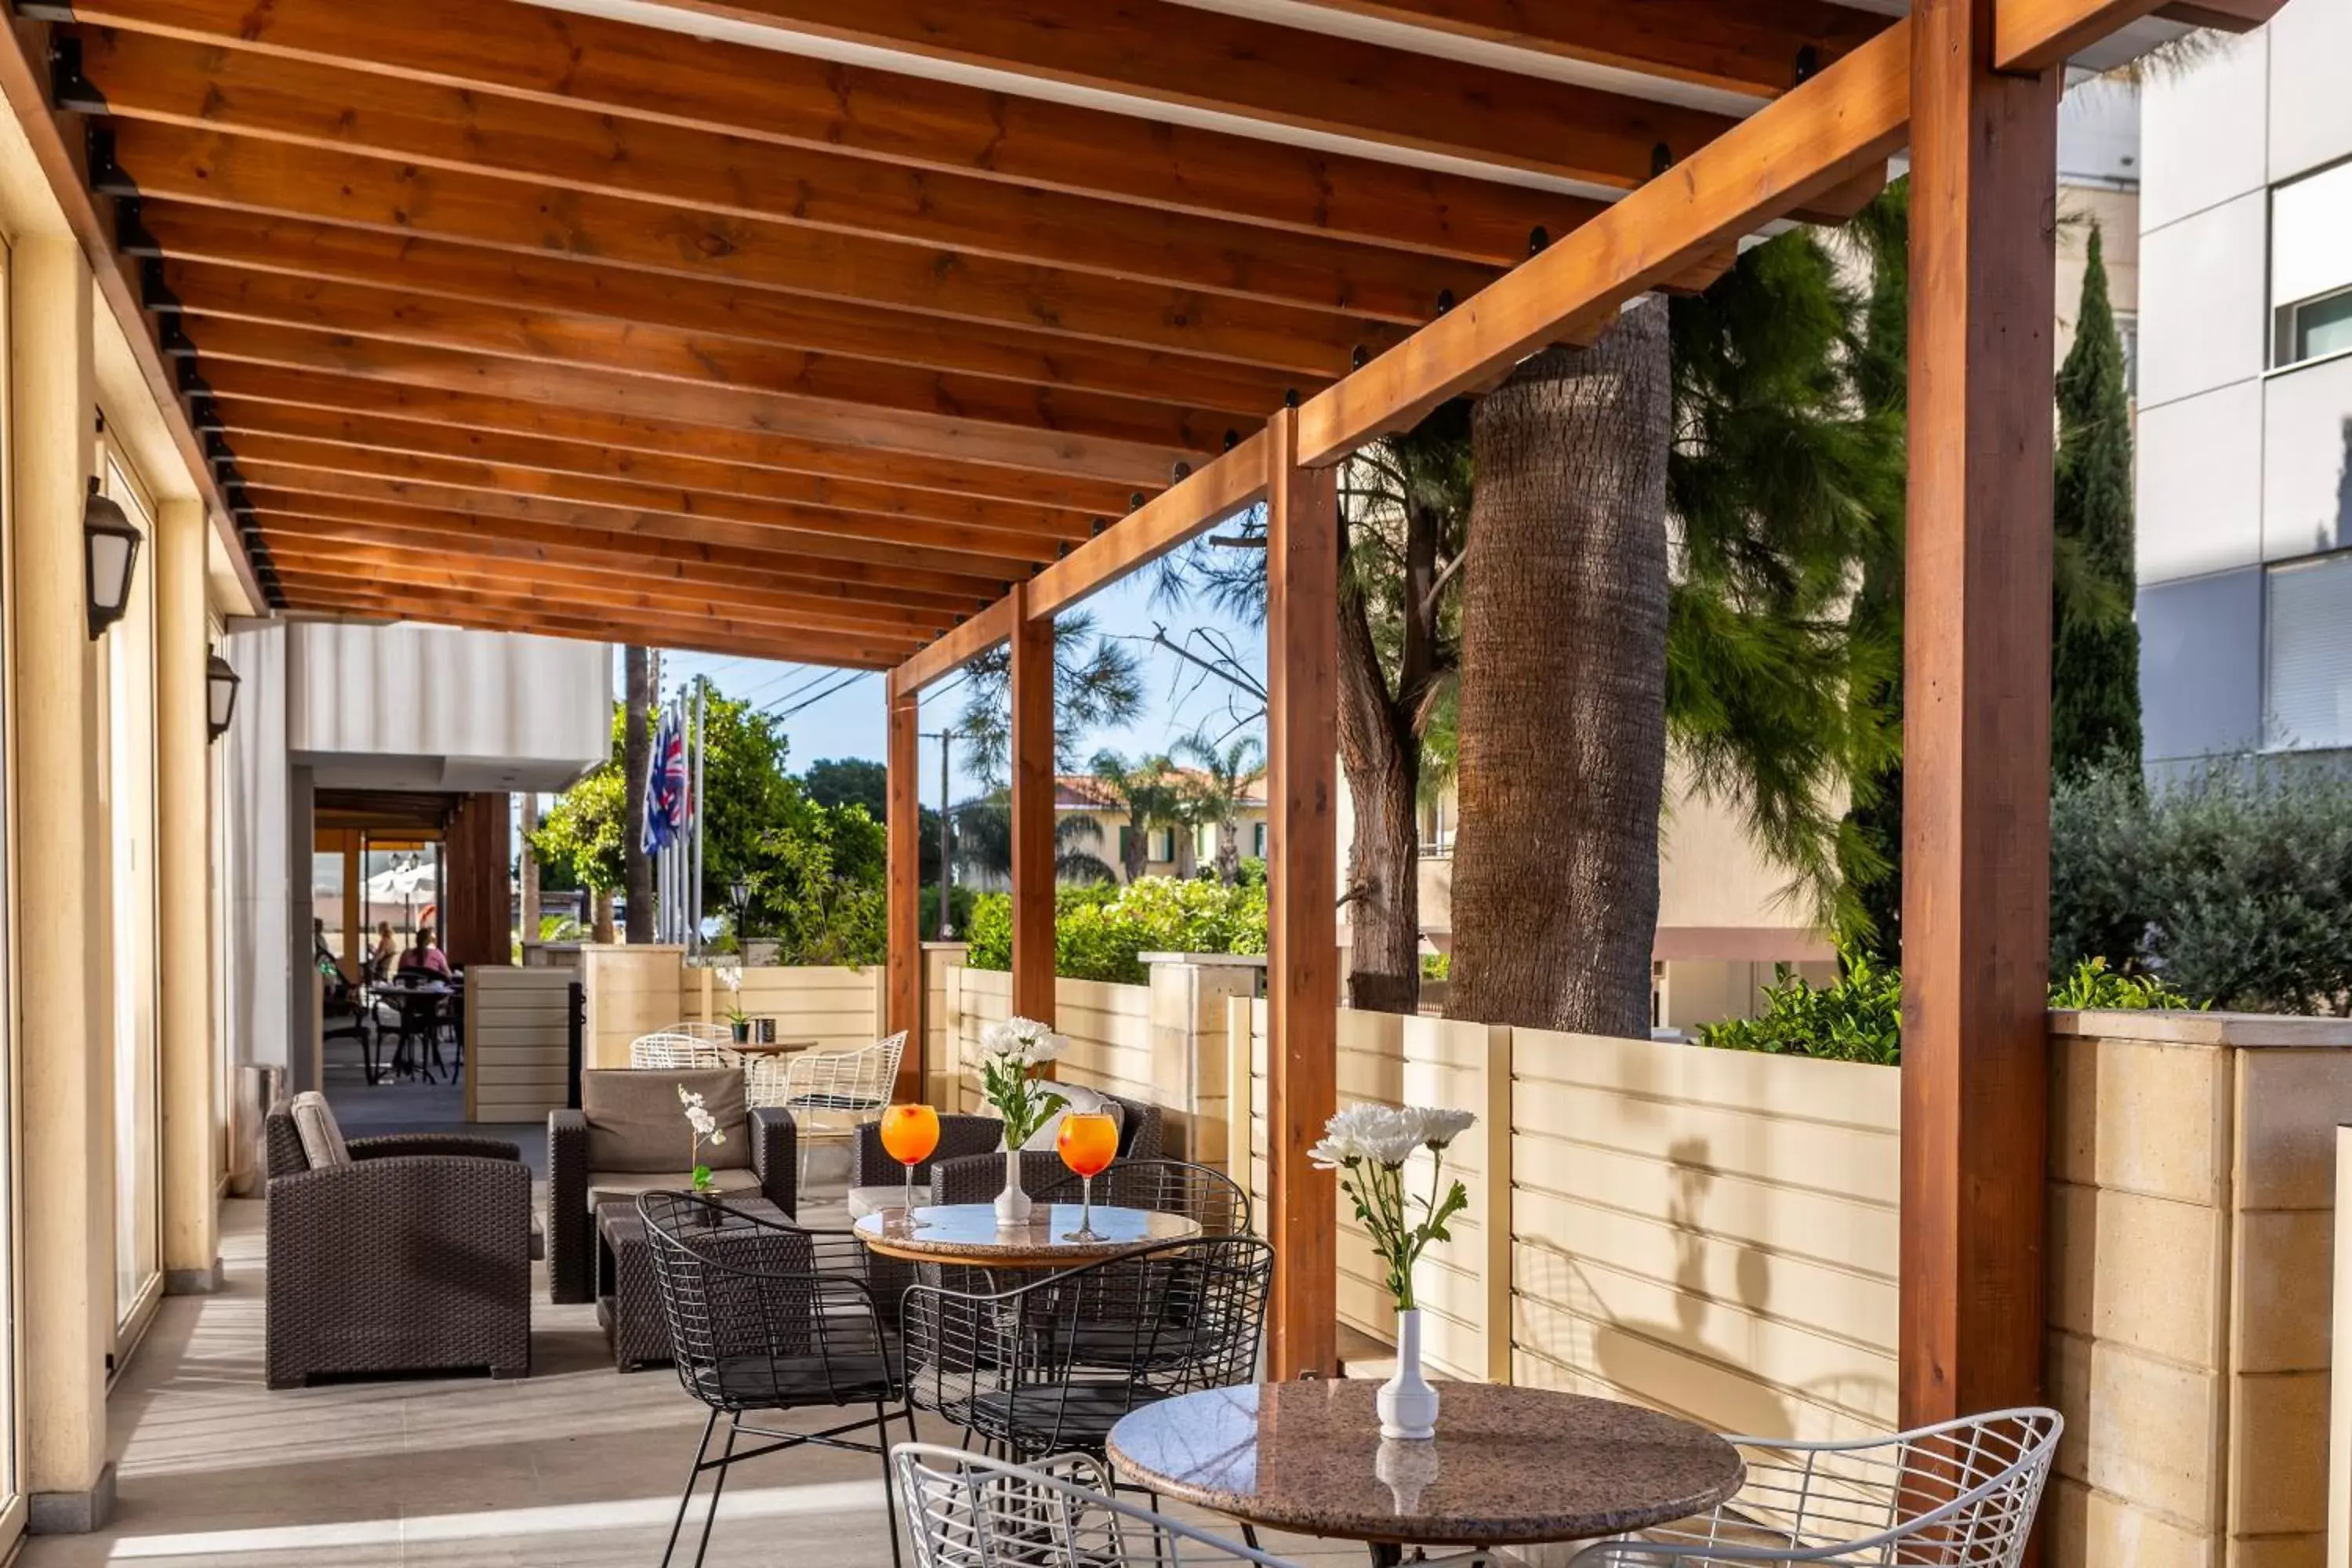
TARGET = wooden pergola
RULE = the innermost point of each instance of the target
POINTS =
(876, 333)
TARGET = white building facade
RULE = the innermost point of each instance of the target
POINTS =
(2245, 396)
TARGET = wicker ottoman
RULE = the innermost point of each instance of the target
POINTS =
(628, 1300)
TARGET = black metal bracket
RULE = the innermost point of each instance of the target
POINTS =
(1662, 158)
(191, 380)
(106, 176)
(155, 294)
(69, 87)
(205, 416)
(1808, 60)
(45, 10)
(130, 236)
(172, 337)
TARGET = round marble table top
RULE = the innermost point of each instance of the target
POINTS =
(1508, 1465)
(969, 1233)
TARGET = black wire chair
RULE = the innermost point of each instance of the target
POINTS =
(965, 1511)
(767, 1316)
(1209, 1198)
(1049, 1367)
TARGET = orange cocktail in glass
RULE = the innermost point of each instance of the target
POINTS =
(909, 1133)
(1088, 1142)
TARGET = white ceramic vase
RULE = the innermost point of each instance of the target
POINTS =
(1012, 1205)
(1408, 1405)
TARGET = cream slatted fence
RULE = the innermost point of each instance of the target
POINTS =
(518, 1042)
(837, 1008)
(1108, 1027)
(1711, 1232)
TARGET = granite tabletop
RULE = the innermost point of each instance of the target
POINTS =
(969, 1233)
(1508, 1465)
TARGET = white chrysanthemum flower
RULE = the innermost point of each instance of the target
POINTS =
(1436, 1127)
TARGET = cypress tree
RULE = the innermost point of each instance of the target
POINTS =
(2094, 651)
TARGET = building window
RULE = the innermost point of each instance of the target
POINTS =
(2127, 328)
(2311, 267)
(2307, 682)
(1257, 840)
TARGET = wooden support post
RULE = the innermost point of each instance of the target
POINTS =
(904, 813)
(1303, 883)
(1032, 812)
(1975, 801)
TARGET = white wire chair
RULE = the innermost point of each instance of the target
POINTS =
(1959, 1494)
(967, 1511)
(714, 1034)
(844, 1088)
(679, 1052)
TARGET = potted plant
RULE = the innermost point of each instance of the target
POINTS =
(1368, 1145)
(705, 1129)
(1013, 1051)
(739, 1022)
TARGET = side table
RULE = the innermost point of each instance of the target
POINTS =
(629, 1298)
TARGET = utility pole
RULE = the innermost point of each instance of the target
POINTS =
(636, 749)
(946, 835)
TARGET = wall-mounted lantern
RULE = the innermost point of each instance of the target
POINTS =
(220, 695)
(109, 549)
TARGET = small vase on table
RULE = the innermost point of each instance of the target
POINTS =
(1369, 1146)
(1012, 1053)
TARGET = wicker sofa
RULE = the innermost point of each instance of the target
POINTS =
(968, 1167)
(629, 1136)
(412, 1254)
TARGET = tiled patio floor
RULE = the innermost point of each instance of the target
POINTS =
(575, 1465)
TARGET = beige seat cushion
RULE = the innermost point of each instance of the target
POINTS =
(605, 1186)
(635, 1122)
(314, 1123)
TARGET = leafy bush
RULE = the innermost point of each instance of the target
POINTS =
(1100, 931)
(2234, 884)
(1859, 1017)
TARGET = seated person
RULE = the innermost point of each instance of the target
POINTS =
(425, 957)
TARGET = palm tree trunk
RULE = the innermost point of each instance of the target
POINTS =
(1229, 851)
(636, 751)
(1134, 855)
(1563, 735)
(1380, 755)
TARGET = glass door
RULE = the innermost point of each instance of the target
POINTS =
(129, 652)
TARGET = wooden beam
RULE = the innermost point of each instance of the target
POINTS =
(2033, 35)
(481, 544)
(410, 561)
(255, 428)
(1032, 683)
(260, 457)
(363, 403)
(707, 489)
(1144, 451)
(971, 638)
(2222, 16)
(1229, 484)
(301, 247)
(218, 305)
(1826, 132)
(59, 143)
(820, 553)
(1761, 47)
(280, 178)
(685, 560)
(147, 78)
(643, 531)
(1302, 891)
(512, 612)
(1976, 724)
(904, 993)
(1174, 54)
(562, 57)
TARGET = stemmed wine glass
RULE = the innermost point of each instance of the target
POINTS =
(1088, 1142)
(909, 1135)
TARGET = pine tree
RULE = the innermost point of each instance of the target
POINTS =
(2094, 650)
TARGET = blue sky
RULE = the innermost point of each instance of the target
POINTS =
(837, 713)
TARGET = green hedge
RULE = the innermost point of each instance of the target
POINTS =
(1859, 1016)
(1100, 931)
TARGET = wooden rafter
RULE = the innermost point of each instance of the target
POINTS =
(281, 179)
(299, 249)
(144, 77)
(1168, 53)
(555, 57)
(1759, 47)
(378, 411)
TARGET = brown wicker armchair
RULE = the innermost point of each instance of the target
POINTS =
(413, 1254)
(878, 1181)
(977, 1178)
(630, 1136)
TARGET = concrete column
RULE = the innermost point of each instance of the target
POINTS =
(68, 1203)
(183, 905)
(1191, 998)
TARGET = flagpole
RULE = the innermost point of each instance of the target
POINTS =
(702, 771)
